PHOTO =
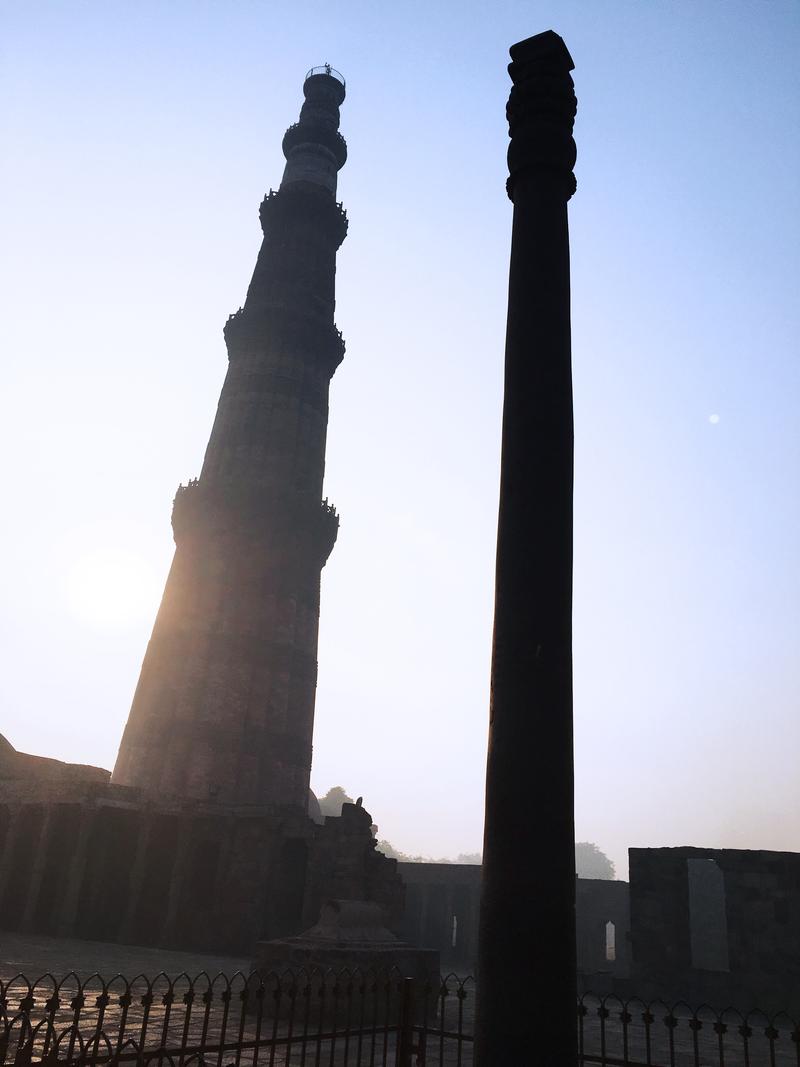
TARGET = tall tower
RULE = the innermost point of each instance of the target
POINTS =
(224, 708)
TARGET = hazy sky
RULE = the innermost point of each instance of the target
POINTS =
(139, 139)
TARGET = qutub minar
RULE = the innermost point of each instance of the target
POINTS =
(204, 836)
(224, 708)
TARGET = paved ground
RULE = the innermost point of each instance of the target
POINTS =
(170, 1012)
(38, 955)
(72, 994)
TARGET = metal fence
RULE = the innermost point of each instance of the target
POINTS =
(321, 1018)
(308, 1018)
(638, 1033)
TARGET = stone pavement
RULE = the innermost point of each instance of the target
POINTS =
(34, 956)
(169, 1012)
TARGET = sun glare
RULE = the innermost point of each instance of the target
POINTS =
(112, 587)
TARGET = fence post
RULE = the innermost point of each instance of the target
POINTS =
(24, 1054)
(405, 1050)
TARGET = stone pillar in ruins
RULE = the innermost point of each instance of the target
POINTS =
(224, 708)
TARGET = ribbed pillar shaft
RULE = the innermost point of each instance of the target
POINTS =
(526, 1011)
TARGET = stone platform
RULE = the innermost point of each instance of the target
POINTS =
(349, 946)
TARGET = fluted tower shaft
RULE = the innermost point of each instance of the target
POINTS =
(224, 708)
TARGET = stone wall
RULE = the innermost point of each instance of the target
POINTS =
(442, 908)
(441, 911)
(82, 858)
(717, 924)
(603, 924)
(24, 776)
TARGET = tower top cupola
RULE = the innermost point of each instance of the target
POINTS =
(315, 150)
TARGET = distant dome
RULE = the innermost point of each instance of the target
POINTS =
(314, 810)
(7, 750)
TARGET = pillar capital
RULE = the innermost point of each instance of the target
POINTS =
(541, 114)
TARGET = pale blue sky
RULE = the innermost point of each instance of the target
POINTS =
(139, 139)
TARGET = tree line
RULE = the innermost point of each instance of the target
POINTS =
(590, 861)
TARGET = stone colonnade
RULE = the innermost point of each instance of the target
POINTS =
(210, 880)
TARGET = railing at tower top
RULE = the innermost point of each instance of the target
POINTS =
(362, 1019)
(326, 68)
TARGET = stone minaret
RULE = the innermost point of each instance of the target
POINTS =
(224, 708)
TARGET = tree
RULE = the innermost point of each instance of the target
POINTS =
(388, 849)
(331, 803)
(590, 862)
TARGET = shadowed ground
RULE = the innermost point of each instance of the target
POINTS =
(38, 955)
(158, 1015)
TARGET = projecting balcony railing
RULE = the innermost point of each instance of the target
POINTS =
(315, 133)
(326, 68)
(328, 215)
(291, 515)
(322, 341)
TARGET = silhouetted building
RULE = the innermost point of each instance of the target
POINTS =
(718, 925)
(225, 702)
(202, 836)
(441, 912)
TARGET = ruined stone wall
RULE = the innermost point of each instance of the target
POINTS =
(442, 903)
(87, 859)
(442, 909)
(598, 903)
(347, 866)
(23, 775)
(717, 924)
(115, 871)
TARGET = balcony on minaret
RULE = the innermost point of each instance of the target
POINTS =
(303, 133)
(186, 507)
(328, 529)
(247, 329)
(202, 507)
(323, 214)
(315, 150)
(234, 325)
